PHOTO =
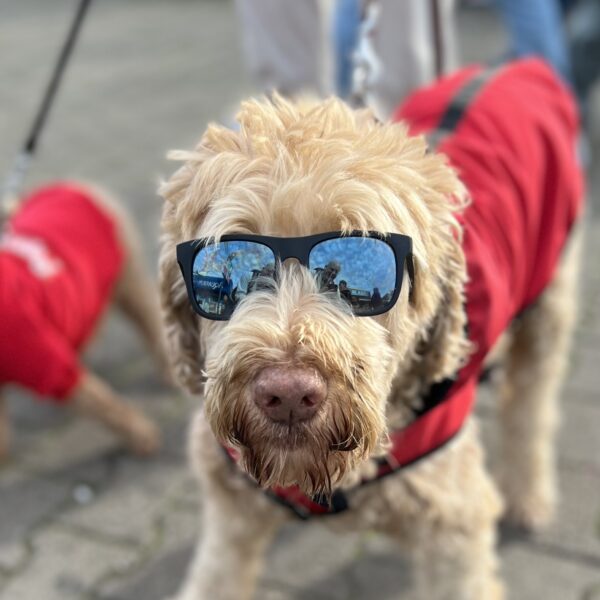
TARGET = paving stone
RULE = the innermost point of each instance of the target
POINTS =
(579, 440)
(532, 575)
(187, 494)
(380, 577)
(165, 563)
(26, 505)
(307, 556)
(49, 452)
(156, 582)
(585, 371)
(575, 528)
(28, 415)
(591, 592)
(13, 554)
(63, 567)
(129, 509)
(52, 453)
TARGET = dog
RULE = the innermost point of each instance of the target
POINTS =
(379, 271)
(65, 254)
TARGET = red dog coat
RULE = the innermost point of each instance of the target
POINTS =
(59, 261)
(511, 135)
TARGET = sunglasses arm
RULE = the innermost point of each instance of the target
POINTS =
(410, 267)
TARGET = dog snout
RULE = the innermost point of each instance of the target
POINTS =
(289, 395)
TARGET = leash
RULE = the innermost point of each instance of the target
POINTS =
(366, 64)
(16, 176)
(437, 34)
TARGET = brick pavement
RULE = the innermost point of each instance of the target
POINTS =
(81, 520)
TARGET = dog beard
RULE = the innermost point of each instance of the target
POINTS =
(313, 454)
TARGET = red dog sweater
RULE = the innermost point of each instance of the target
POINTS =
(59, 261)
(511, 135)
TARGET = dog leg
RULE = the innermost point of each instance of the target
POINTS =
(452, 564)
(444, 514)
(4, 429)
(238, 522)
(455, 566)
(536, 365)
(95, 398)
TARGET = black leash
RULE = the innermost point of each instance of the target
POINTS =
(15, 178)
(437, 34)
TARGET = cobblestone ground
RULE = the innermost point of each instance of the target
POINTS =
(82, 520)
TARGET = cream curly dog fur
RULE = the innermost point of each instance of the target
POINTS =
(279, 175)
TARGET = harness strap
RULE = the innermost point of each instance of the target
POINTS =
(418, 440)
(459, 105)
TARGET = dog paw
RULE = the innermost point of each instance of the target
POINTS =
(529, 513)
(183, 596)
(495, 591)
(4, 445)
(143, 436)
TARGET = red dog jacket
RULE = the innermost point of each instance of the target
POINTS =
(59, 261)
(511, 135)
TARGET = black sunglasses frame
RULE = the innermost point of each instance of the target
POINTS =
(300, 249)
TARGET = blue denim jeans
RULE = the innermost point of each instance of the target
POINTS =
(346, 23)
(536, 27)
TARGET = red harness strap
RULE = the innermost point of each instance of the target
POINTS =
(427, 434)
(450, 404)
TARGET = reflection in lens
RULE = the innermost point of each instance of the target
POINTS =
(225, 273)
(360, 270)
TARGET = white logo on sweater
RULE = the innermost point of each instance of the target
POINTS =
(33, 251)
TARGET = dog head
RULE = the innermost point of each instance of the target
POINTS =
(294, 380)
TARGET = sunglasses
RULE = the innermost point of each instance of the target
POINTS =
(363, 269)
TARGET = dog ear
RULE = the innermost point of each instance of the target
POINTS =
(188, 195)
(446, 345)
(440, 276)
(182, 327)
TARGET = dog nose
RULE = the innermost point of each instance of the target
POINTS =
(289, 395)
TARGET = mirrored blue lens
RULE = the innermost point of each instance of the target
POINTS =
(223, 274)
(360, 270)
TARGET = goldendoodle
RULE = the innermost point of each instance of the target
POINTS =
(66, 253)
(333, 286)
